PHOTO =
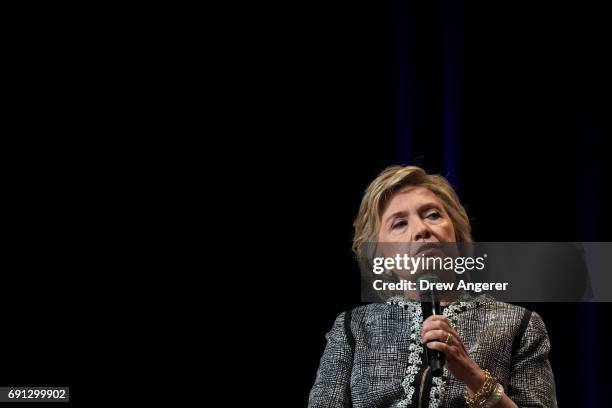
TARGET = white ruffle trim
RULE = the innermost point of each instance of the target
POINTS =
(438, 386)
(415, 348)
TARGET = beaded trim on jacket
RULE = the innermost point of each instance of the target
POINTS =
(438, 387)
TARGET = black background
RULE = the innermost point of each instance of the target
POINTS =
(281, 114)
(532, 165)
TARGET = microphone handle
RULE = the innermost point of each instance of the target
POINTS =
(435, 358)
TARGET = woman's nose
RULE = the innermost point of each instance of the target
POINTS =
(420, 231)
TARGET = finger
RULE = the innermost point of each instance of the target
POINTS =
(437, 317)
(432, 335)
(439, 322)
(448, 350)
(438, 325)
(442, 318)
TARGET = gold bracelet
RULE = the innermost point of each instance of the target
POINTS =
(495, 396)
(480, 398)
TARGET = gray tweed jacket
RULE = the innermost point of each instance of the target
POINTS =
(377, 360)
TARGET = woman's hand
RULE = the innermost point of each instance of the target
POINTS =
(435, 332)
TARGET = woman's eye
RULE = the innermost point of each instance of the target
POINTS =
(399, 224)
(433, 215)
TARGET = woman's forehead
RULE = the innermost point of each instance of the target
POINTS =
(411, 197)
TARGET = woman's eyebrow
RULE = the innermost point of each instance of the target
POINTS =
(397, 214)
(429, 205)
(423, 207)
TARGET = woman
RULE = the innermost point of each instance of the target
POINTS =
(496, 353)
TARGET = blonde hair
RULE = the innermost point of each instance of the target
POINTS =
(393, 179)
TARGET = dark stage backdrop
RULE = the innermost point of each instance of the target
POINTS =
(509, 102)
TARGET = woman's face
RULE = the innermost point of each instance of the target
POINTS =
(415, 214)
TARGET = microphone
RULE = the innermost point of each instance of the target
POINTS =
(430, 303)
